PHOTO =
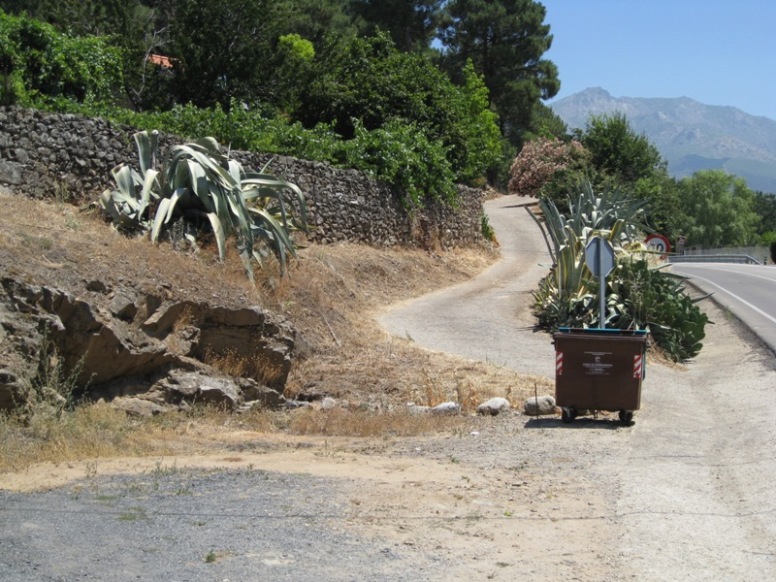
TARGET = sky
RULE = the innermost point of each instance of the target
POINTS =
(717, 52)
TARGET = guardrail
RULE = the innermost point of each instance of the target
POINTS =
(743, 259)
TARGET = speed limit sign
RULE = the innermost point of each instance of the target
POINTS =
(658, 244)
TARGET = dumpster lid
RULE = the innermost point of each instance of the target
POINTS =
(598, 330)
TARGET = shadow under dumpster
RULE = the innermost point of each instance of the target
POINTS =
(580, 423)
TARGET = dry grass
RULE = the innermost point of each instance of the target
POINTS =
(332, 296)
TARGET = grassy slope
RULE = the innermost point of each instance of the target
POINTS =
(331, 296)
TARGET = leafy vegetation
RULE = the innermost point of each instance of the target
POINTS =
(717, 210)
(710, 209)
(637, 295)
(198, 184)
(647, 298)
(297, 77)
(38, 62)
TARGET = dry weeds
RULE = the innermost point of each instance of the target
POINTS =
(332, 295)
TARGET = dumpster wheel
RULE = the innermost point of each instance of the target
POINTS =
(626, 417)
(568, 414)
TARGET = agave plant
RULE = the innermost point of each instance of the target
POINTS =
(128, 205)
(638, 295)
(276, 208)
(198, 182)
(591, 214)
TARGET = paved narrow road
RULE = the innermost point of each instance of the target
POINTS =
(488, 318)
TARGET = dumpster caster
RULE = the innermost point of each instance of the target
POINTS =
(626, 417)
(568, 414)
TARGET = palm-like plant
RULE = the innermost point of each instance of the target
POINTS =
(198, 181)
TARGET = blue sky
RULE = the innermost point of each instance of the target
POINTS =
(718, 52)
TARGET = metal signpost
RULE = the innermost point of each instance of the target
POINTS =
(599, 257)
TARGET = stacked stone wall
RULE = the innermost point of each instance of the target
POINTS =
(44, 155)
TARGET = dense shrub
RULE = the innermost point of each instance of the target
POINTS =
(38, 62)
(371, 84)
(540, 161)
(399, 154)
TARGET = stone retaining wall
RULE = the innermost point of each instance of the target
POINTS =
(46, 155)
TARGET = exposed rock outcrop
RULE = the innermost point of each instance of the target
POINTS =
(141, 352)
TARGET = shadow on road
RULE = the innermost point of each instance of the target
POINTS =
(577, 423)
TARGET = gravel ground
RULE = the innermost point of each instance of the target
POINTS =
(687, 493)
(192, 525)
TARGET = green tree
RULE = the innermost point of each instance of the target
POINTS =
(618, 151)
(546, 123)
(372, 83)
(663, 209)
(82, 17)
(325, 23)
(38, 61)
(291, 71)
(624, 160)
(411, 23)
(505, 39)
(765, 207)
(220, 50)
(717, 210)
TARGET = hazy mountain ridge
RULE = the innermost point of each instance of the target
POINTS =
(690, 135)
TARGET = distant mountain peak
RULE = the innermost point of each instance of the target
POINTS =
(690, 135)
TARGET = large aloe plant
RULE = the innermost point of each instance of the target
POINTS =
(197, 180)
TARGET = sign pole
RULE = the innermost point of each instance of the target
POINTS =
(601, 288)
(599, 258)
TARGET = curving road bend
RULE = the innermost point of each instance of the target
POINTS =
(689, 492)
(488, 318)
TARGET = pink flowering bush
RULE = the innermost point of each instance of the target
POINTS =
(541, 160)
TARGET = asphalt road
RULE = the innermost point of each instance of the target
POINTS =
(489, 317)
(747, 291)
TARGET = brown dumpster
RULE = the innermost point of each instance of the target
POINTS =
(599, 369)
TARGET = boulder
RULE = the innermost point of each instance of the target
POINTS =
(494, 406)
(539, 406)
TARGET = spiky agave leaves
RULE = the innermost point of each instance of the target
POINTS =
(197, 178)
(201, 179)
(128, 205)
(276, 208)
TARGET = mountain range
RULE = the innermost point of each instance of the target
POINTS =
(690, 136)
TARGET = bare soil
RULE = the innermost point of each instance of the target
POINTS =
(684, 494)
